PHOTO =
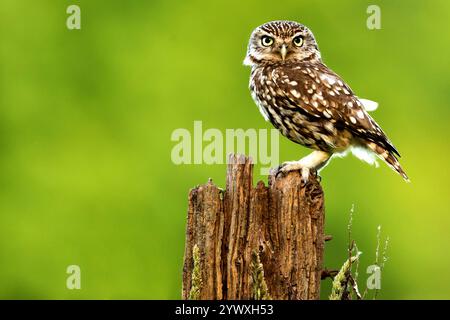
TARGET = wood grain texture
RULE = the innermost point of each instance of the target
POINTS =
(283, 223)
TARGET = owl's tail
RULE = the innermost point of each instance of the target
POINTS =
(389, 158)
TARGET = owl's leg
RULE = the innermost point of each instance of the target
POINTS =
(314, 161)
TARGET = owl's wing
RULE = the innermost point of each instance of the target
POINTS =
(321, 93)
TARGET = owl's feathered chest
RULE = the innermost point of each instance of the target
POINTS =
(276, 107)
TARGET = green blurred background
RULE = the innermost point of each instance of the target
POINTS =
(86, 118)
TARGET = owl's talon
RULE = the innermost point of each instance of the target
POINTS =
(292, 166)
(278, 171)
(305, 174)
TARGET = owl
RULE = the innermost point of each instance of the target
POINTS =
(309, 103)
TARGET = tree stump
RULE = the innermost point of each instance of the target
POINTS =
(263, 242)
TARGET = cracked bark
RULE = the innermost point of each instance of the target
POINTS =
(283, 223)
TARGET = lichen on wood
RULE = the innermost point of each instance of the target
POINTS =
(259, 286)
(196, 284)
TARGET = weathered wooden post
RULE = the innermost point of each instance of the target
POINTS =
(263, 242)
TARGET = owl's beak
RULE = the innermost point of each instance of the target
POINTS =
(283, 51)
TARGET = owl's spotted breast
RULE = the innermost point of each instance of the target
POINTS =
(293, 105)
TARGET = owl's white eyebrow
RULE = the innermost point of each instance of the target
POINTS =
(266, 34)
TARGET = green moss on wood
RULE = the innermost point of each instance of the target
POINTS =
(259, 286)
(196, 284)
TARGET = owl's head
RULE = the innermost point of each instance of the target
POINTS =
(281, 41)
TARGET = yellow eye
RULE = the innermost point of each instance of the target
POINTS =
(266, 41)
(298, 41)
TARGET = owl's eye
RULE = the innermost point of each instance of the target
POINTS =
(266, 41)
(298, 41)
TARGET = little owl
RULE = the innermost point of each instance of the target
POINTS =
(309, 103)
